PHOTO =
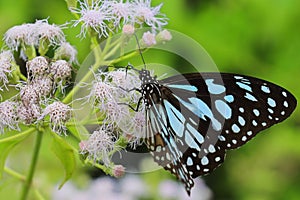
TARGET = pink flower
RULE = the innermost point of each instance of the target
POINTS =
(118, 171)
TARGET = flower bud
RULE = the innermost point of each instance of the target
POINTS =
(118, 171)
(60, 70)
(148, 39)
(38, 66)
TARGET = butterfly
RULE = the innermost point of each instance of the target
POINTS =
(193, 119)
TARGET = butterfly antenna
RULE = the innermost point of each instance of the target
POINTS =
(140, 51)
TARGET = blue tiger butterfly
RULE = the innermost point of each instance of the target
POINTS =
(193, 119)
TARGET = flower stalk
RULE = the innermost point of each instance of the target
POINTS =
(33, 163)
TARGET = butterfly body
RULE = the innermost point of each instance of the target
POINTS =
(193, 119)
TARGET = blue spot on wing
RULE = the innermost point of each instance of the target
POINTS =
(176, 119)
(189, 161)
(201, 109)
(224, 109)
(184, 87)
(250, 97)
(229, 98)
(265, 89)
(244, 86)
(195, 133)
(271, 102)
(214, 88)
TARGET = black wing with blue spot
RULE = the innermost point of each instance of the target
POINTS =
(200, 116)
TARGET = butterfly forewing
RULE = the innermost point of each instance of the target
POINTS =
(194, 118)
(243, 105)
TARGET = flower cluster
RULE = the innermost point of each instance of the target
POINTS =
(108, 16)
(8, 115)
(98, 146)
(44, 79)
(40, 35)
(110, 94)
(59, 114)
(33, 34)
(6, 67)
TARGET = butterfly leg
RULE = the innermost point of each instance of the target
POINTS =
(130, 90)
(130, 106)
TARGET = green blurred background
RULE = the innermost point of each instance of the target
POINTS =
(258, 38)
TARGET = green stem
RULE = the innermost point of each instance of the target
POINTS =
(127, 56)
(22, 178)
(96, 47)
(112, 51)
(32, 168)
(14, 174)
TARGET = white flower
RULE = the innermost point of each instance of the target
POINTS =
(38, 66)
(33, 34)
(94, 16)
(110, 93)
(21, 34)
(8, 115)
(28, 114)
(164, 35)
(128, 79)
(134, 127)
(29, 95)
(121, 12)
(67, 52)
(128, 29)
(115, 113)
(43, 86)
(59, 114)
(99, 144)
(6, 59)
(60, 70)
(101, 92)
(49, 32)
(151, 16)
(124, 80)
(148, 39)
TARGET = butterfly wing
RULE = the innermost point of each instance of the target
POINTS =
(200, 116)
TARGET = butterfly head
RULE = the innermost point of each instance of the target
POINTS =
(146, 77)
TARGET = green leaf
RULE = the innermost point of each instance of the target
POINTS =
(8, 143)
(71, 3)
(65, 154)
(79, 131)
